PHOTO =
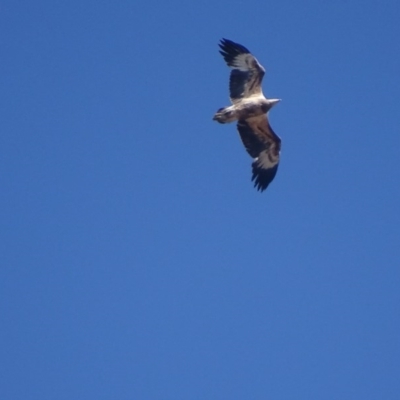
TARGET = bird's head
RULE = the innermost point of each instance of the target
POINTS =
(272, 102)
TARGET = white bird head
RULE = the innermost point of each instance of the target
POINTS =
(272, 102)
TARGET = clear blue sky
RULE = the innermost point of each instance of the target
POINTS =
(137, 260)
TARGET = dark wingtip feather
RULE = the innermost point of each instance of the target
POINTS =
(229, 44)
(263, 177)
(229, 50)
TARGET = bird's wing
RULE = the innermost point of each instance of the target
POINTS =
(247, 73)
(264, 145)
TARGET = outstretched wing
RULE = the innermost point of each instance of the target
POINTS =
(264, 146)
(247, 73)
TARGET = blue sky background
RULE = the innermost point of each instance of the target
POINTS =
(138, 262)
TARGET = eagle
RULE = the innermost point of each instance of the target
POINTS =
(250, 109)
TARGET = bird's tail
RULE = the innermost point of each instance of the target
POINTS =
(224, 115)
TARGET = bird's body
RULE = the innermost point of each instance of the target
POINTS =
(250, 108)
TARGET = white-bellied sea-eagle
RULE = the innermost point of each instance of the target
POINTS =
(250, 109)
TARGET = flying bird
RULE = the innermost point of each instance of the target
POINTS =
(250, 109)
